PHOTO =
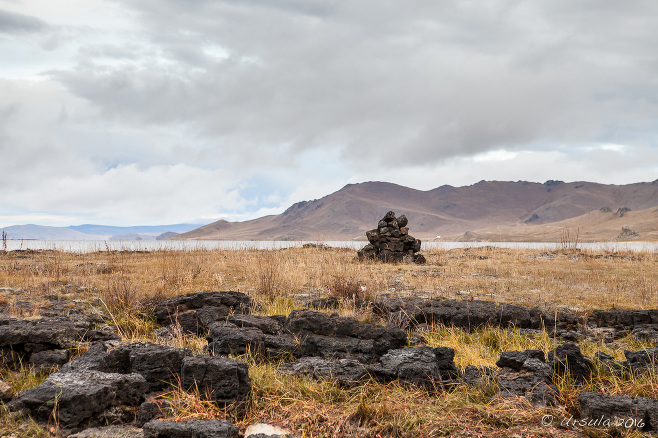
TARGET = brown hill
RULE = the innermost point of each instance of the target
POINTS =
(495, 207)
(595, 226)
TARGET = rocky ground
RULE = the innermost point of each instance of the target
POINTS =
(100, 385)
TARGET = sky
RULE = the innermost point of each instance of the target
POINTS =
(124, 112)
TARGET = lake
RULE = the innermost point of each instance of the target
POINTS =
(82, 246)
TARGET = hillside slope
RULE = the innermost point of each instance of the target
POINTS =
(446, 210)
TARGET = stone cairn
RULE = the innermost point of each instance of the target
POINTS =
(391, 242)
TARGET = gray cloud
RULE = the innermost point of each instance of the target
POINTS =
(11, 22)
(254, 97)
(435, 79)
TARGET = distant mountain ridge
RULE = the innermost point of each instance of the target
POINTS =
(446, 211)
(93, 232)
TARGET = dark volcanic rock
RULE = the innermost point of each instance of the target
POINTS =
(220, 379)
(151, 409)
(467, 314)
(339, 337)
(332, 347)
(642, 360)
(475, 376)
(344, 372)
(82, 398)
(20, 340)
(110, 432)
(194, 312)
(620, 410)
(324, 303)
(225, 338)
(423, 366)
(49, 359)
(266, 324)
(190, 429)
(516, 359)
(533, 381)
(568, 358)
(624, 319)
(646, 332)
(614, 366)
(159, 364)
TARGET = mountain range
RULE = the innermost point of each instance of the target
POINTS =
(487, 210)
(94, 232)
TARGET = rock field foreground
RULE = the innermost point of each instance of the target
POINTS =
(120, 385)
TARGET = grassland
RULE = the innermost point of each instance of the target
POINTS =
(121, 284)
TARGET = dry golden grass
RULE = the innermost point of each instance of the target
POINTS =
(574, 279)
(279, 281)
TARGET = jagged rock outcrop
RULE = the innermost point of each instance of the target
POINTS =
(627, 233)
(621, 211)
(391, 242)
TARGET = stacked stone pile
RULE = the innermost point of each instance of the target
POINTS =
(391, 242)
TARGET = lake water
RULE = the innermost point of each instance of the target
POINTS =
(81, 246)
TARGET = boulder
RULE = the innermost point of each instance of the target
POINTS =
(110, 432)
(49, 359)
(344, 372)
(159, 364)
(532, 381)
(619, 410)
(568, 358)
(194, 312)
(83, 398)
(219, 379)
(225, 338)
(610, 363)
(266, 324)
(336, 337)
(467, 314)
(515, 359)
(639, 361)
(424, 366)
(154, 407)
(190, 429)
(20, 340)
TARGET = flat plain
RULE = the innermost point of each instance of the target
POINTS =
(120, 285)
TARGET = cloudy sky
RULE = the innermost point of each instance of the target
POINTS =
(128, 112)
